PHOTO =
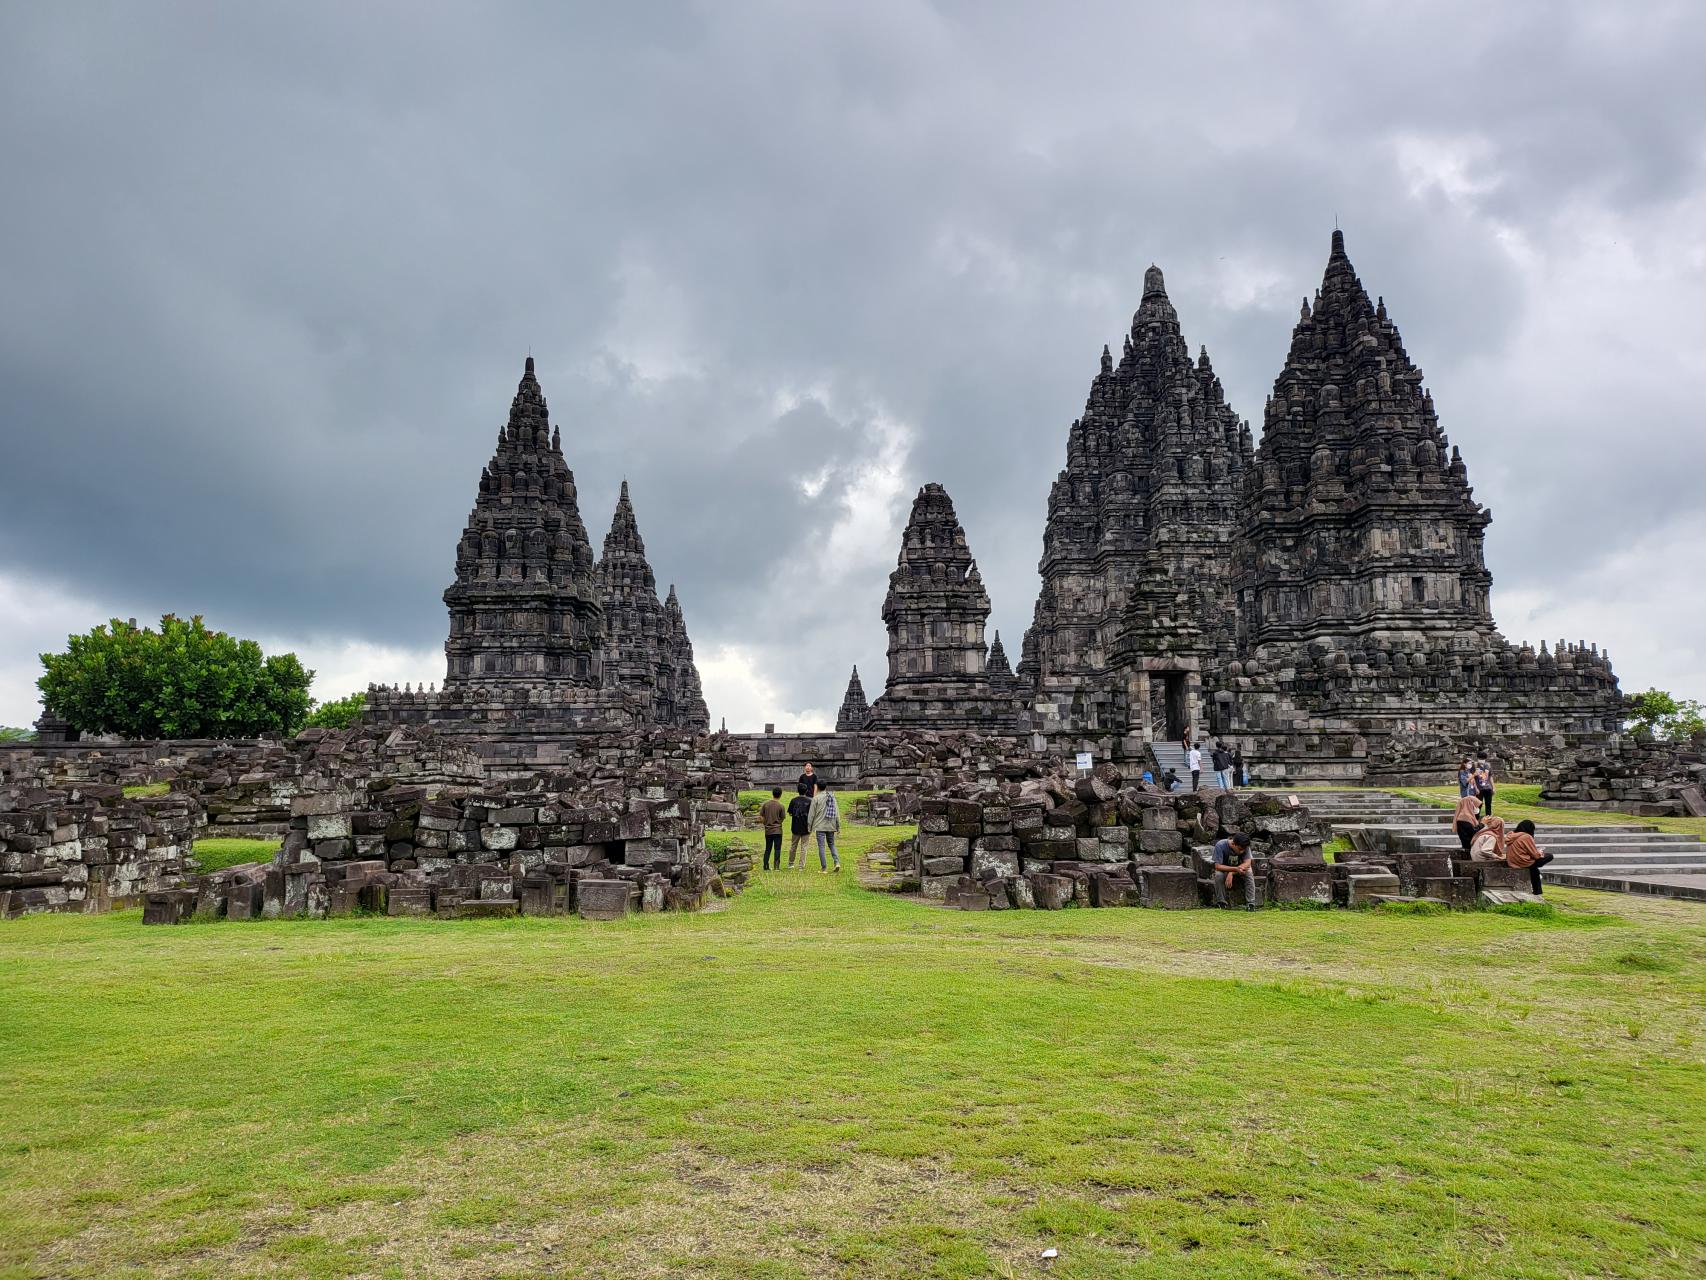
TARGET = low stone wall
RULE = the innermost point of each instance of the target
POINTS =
(403, 849)
(1090, 842)
(1630, 775)
(84, 847)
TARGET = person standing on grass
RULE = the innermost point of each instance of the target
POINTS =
(1193, 757)
(772, 813)
(1232, 860)
(1467, 819)
(1522, 852)
(825, 822)
(1484, 785)
(799, 815)
(1465, 776)
(807, 780)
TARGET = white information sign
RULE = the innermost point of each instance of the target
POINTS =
(1084, 761)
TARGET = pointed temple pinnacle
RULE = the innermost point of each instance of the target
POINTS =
(1338, 243)
(1153, 282)
(529, 368)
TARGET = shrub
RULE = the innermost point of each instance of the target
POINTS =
(340, 713)
(182, 681)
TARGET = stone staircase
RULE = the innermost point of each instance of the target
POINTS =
(1170, 755)
(1623, 858)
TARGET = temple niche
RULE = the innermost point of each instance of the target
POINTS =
(544, 641)
(935, 611)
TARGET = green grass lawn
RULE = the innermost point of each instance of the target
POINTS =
(139, 789)
(824, 1081)
(214, 852)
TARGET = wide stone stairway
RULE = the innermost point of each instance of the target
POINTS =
(1622, 857)
(1170, 755)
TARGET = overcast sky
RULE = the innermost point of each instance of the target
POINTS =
(268, 273)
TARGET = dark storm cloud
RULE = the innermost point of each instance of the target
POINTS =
(270, 272)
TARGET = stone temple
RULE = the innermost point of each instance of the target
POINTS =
(1320, 599)
(545, 642)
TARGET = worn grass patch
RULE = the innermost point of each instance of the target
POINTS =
(138, 789)
(823, 1081)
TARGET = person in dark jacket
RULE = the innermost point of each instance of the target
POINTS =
(807, 780)
(1238, 774)
(772, 814)
(800, 827)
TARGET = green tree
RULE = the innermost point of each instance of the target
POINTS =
(182, 681)
(10, 734)
(1656, 713)
(340, 713)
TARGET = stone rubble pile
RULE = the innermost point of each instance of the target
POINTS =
(85, 847)
(1646, 777)
(1089, 841)
(526, 847)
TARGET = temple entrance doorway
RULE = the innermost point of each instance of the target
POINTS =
(1167, 703)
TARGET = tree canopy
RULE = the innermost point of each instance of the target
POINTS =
(182, 681)
(1660, 715)
(340, 713)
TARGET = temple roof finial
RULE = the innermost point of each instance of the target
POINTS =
(1338, 240)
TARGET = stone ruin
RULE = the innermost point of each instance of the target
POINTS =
(1090, 841)
(406, 808)
(1320, 599)
(854, 709)
(545, 643)
(1643, 776)
(83, 846)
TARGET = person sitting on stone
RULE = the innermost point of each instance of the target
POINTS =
(1522, 852)
(1467, 819)
(1489, 842)
(799, 815)
(1231, 860)
(825, 822)
(772, 814)
(807, 780)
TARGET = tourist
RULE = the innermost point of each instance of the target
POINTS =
(1521, 851)
(1232, 859)
(1148, 778)
(825, 822)
(1169, 780)
(1193, 757)
(1465, 776)
(1221, 758)
(1484, 785)
(1238, 766)
(807, 780)
(1467, 819)
(799, 814)
(1489, 843)
(772, 814)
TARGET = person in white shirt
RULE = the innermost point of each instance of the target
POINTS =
(1196, 766)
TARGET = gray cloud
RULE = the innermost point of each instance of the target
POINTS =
(271, 272)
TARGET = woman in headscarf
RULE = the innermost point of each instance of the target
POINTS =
(1467, 819)
(1521, 851)
(1489, 842)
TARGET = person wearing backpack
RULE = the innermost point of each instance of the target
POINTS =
(799, 824)
(1484, 785)
(825, 820)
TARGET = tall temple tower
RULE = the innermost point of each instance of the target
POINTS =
(686, 703)
(936, 610)
(524, 609)
(1148, 503)
(1366, 639)
(854, 709)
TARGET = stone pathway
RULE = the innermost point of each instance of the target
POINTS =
(1623, 858)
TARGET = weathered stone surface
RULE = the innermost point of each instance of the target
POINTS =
(601, 899)
(1170, 887)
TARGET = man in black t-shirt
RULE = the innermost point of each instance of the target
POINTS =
(1232, 861)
